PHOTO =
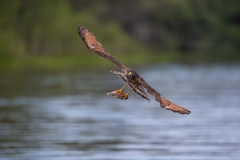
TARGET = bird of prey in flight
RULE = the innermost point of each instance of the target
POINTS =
(131, 77)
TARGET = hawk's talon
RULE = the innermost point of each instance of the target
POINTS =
(119, 91)
(125, 96)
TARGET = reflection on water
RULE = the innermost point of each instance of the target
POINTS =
(67, 116)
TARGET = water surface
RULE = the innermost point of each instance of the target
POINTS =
(67, 116)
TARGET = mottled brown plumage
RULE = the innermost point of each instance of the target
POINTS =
(136, 82)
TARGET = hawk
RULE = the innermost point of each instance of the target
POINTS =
(131, 77)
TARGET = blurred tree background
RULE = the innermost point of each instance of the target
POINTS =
(43, 34)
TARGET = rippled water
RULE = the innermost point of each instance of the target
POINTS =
(67, 116)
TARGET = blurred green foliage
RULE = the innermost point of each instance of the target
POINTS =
(44, 33)
(182, 25)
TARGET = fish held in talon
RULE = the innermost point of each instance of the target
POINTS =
(117, 94)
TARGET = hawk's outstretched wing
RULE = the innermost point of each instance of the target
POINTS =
(164, 103)
(94, 46)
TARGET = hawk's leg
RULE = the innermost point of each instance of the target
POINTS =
(120, 91)
(120, 94)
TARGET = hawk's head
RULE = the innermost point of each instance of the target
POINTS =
(131, 75)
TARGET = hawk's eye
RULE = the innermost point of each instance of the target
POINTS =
(131, 75)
